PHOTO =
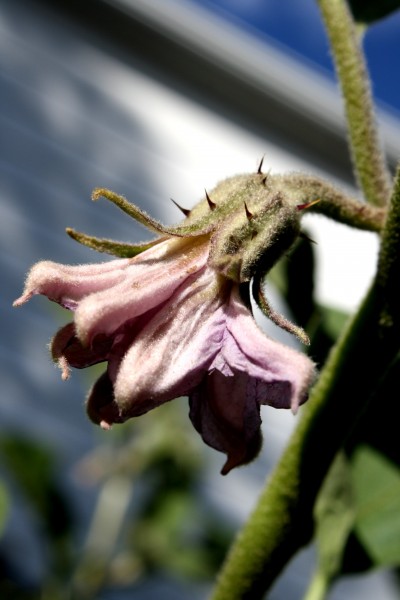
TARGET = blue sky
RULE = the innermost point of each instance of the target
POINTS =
(296, 26)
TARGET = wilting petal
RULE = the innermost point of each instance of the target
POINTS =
(67, 284)
(172, 352)
(147, 284)
(225, 412)
(248, 348)
(100, 405)
(67, 350)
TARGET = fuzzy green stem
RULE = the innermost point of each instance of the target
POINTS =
(389, 254)
(282, 521)
(318, 587)
(368, 158)
(332, 202)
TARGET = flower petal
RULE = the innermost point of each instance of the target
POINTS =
(173, 351)
(225, 411)
(67, 350)
(148, 283)
(100, 405)
(247, 348)
(68, 284)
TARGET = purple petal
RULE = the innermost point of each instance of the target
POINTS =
(100, 405)
(248, 348)
(225, 412)
(67, 350)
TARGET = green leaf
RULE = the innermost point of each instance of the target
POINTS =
(4, 506)
(376, 482)
(334, 516)
(33, 468)
(367, 11)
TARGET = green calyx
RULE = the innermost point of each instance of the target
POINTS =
(252, 220)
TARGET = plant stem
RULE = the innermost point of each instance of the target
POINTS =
(332, 202)
(368, 158)
(318, 587)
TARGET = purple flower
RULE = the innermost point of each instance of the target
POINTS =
(169, 325)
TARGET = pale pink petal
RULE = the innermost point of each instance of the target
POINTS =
(248, 348)
(140, 291)
(172, 352)
(69, 284)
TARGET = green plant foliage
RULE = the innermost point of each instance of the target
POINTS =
(367, 11)
(376, 482)
(334, 516)
(32, 468)
(4, 505)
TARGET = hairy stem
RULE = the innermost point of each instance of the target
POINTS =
(332, 202)
(368, 159)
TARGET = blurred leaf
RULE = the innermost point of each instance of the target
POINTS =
(32, 468)
(181, 538)
(376, 483)
(367, 11)
(4, 506)
(334, 516)
(334, 320)
(31, 465)
(355, 557)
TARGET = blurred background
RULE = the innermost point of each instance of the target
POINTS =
(153, 99)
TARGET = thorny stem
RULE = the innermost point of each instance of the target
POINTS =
(282, 521)
(368, 159)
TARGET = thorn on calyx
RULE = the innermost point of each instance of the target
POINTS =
(211, 204)
(259, 170)
(265, 178)
(185, 211)
(308, 204)
(249, 214)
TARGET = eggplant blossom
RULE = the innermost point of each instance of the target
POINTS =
(172, 317)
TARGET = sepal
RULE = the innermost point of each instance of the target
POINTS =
(120, 249)
(274, 315)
